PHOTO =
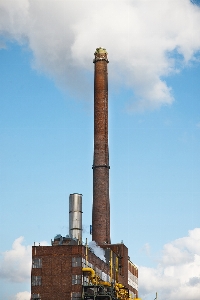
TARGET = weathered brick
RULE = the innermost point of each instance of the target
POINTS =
(101, 202)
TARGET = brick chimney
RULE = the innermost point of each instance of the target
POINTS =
(101, 202)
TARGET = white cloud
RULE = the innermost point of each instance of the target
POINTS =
(23, 296)
(147, 249)
(15, 264)
(177, 275)
(146, 41)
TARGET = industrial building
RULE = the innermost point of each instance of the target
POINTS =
(70, 269)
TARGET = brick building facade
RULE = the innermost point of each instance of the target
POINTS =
(63, 271)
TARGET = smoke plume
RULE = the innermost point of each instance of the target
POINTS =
(146, 41)
(98, 251)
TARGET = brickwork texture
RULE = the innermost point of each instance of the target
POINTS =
(101, 202)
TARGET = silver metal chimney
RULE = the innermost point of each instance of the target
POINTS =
(75, 216)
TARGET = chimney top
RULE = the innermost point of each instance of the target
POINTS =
(100, 54)
(100, 50)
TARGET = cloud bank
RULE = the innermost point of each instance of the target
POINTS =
(177, 275)
(23, 296)
(146, 41)
(15, 264)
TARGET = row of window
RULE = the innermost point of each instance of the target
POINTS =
(76, 279)
(37, 262)
(74, 296)
(37, 280)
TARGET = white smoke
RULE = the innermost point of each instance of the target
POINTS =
(98, 251)
(177, 275)
(146, 41)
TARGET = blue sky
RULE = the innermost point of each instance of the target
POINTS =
(46, 128)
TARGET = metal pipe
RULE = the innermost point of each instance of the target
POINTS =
(89, 270)
(93, 276)
(111, 265)
(75, 217)
(105, 283)
(117, 268)
(86, 253)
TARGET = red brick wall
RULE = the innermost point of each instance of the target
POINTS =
(122, 253)
(56, 271)
(101, 203)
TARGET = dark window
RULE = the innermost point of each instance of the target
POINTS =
(35, 297)
(76, 261)
(37, 263)
(76, 296)
(76, 279)
(36, 280)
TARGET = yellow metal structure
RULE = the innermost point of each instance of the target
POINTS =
(111, 265)
(94, 279)
(121, 291)
(86, 251)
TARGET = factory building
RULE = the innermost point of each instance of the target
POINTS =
(70, 269)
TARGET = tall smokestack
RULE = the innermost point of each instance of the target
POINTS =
(101, 202)
(75, 216)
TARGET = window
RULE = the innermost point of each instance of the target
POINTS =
(36, 280)
(76, 296)
(37, 263)
(76, 261)
(35, 297)
(76, 279)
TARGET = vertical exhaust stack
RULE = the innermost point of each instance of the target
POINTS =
(75, 216)
(101, 202)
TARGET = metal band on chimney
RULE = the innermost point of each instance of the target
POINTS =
(100, 58)
(101, 166)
